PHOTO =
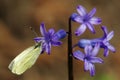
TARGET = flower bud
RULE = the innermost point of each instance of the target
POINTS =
(60, 34)
(73, 16)
(83, 42)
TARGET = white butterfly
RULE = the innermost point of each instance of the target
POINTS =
(25, 59)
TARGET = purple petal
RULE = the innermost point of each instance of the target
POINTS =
(51, 31)
(88, 50)
(78, 19)
(78, 55)
(43, 47)
(48, 48)
(110, 35)
(105, 31)
(106, 52)
(91, 27)
(95, 20)
(38, 39)
(73, 16)
(111, 48)
(83, 42)
(80, 30)
(92, 12)
(92, 69)
(43, 29)
(105, 42)
(96, 60)
(56, 43)
(59, 35)
(104, 28)
(96, 49)
(81, 10)
(86, 65)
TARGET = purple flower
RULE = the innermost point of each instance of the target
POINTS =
(89, 57)
(49, 38)
(85, 19)
(104, 41)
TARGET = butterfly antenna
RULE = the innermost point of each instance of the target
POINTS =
(31, 28)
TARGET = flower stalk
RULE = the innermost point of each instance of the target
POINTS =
(70, 59)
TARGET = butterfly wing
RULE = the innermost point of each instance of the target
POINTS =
(25, 60)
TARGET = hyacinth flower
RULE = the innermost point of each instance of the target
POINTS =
(49, 38)
(85, 19)
(89, 58)
(104, 41)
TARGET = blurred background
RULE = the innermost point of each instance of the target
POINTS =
(16, 16)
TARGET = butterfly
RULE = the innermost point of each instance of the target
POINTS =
(25, 60)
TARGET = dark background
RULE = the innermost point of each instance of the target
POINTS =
(17, 15)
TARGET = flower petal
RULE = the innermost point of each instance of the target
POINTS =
(73, 16)
(43, 29)
(86, 65)
(56, 43)
(105, 42)
(51, 31)
(92, 12)
(38, 39)
(106, 52)
(59, 35)
(43, 47)
(92, 69)
(89, 66)
(88, 50)
(80, 30)
(78, 19)
(95, 20)
(104, 28)
(96, 49)
(83, 42)
(111, 48)
(91, 27)
(81, 10)
(110, 35)
(105, 31)
(96, 60)
(48, 48)
(78, 55)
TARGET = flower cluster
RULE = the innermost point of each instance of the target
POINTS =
(85, 19)
(104, 41)
(49, 38)
(91, 46)
(89, 57)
